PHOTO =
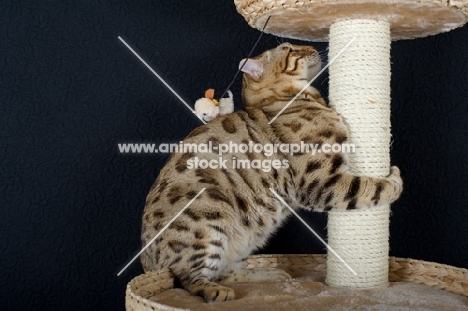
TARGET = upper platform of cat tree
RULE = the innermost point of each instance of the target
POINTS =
(311, 19)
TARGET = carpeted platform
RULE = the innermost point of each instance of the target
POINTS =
(308, 292)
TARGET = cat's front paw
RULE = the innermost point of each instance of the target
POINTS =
(218, 293)
(396, 183)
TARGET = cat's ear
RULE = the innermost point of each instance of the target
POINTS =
(253, 67)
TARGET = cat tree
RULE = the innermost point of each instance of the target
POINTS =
(360, 92)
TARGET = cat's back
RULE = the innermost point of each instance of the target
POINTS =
(206, 157)
(225, 206)
(234, 126)
(206, 140)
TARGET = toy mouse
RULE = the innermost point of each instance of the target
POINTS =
(209, 108)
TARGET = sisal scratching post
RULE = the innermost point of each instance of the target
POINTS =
(360, 92)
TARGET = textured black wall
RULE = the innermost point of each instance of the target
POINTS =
(71, 91)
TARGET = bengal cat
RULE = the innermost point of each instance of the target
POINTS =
(237, 212)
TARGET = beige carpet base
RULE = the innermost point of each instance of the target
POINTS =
(415, 285)
(308, 292)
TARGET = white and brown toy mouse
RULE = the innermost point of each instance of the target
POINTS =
(208, 108)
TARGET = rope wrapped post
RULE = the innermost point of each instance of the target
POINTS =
(360, 92)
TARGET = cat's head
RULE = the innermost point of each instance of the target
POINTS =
(278, 74)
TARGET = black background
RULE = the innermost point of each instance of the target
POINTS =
(71, 91)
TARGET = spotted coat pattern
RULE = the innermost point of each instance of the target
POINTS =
(237, 212)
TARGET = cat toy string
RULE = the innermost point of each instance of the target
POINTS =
(248, 56)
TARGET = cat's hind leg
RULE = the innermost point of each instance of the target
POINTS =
(200, 268)
(198, 274)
